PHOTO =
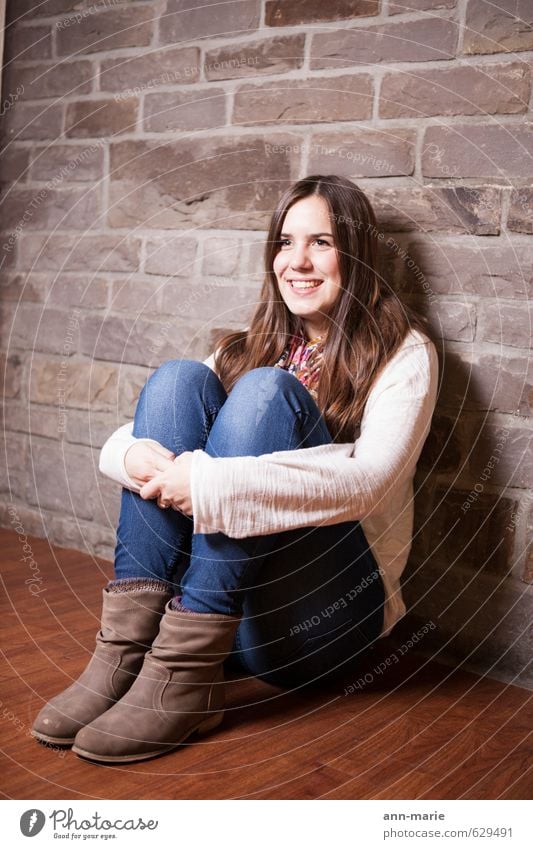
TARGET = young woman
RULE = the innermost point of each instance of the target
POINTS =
(268, 493)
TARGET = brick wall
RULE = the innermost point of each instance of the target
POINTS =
(146, 144)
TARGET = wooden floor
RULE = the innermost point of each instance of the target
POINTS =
(423, 731)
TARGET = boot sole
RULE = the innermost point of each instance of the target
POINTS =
(53, 741)
(204, 728)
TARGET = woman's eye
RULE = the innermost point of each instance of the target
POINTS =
(284, 243)
(322, 242)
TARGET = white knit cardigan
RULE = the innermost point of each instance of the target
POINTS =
(370, 480)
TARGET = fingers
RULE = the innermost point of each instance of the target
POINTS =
(162, 464)
(151, 489)
(164, 452)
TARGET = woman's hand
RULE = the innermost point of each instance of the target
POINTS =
(145, 460)
(172, 487)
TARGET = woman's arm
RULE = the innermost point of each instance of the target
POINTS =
(113, 456)
(252, 496)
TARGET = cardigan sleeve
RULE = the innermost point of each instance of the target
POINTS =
(326, 484)
(113, 456)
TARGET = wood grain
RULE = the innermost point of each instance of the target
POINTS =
(425, 731)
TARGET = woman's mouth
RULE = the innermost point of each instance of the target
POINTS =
(304, 286)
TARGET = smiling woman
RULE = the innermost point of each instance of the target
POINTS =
(306, 266)
(288, 459)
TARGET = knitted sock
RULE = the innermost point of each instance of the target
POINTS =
(128, 585)
(176, 604)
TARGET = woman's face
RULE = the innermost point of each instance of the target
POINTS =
(306, 265)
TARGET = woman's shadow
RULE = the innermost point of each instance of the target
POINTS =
(462, 578)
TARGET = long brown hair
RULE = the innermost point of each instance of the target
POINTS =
(367, 322)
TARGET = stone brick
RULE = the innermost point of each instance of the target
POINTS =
(452, 320)
(184, 21)
(428, 39)
(460, 209)
(491, 382)
(200, 109)
(279, 13)
(171, 255)
(14, 465)
(467, 150)
(34, 121)
(363, 153)
(130, 26)
(253, 260)
(132, 380)
(25, 43)
(44, 208)
(65, 479)
(9, 252)
(520, 216)
(419, 5)
(18, 325)
(11, 374)
(91, 429)
(86, 292)
(45, 80)
(61, 290)
(14, 515)
(174, 65)
(72, 162)
(494, 271)
(128, 340)
(83, 536)
(139, 298)
(222, 256)
(87, 252)
(269, 56)
(83, 385)
(44, 8)
(14, 164)
(495, 27)
(188, 183)
(527, 574)
(211, 299)
(483, 90)
(23, 287)
(36, 420)
(507, 324)
(90, 118)
(443, 449)
(501, 456)
(345, 98)
(38, 328)
(479, 537)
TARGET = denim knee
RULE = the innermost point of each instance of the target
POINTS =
(171, 376)
(266, 373)
(263, 382)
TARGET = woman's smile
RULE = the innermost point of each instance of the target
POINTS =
(305, 287)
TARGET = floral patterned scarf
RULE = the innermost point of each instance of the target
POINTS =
(303, 358)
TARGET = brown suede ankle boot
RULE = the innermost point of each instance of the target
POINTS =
(130, 621)
(179, 690)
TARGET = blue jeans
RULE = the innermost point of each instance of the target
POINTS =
(311, 599)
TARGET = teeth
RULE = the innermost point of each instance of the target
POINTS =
(305, 284)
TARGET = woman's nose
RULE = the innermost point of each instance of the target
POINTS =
(300, 256)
